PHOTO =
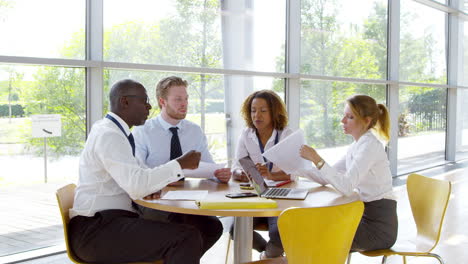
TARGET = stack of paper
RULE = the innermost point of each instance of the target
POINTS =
(241, 203)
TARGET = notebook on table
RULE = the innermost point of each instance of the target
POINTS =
(263, 190)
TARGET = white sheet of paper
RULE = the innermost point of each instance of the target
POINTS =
(204, 170)
(285, 154)
(185, 195)
(271, 183)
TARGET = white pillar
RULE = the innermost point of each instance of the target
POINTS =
(454, 96)
(393, 61)
(293, 61)
(237, 27)
(94, 75)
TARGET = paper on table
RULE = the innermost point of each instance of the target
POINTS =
(184, 195)
(271, 183)
(285, 154)
(204, 170)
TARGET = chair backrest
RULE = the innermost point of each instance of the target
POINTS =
(319, 235)
(65, 197)
(428, 199)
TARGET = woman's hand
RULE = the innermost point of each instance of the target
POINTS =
(239, 175)
(262, 168)
(309, 153)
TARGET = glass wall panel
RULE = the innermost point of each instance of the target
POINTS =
(321, 111)
(464, 63)
(422, 43)
(189, 33)
(462, 125)
(462, 103)
(36, 29)
(342, 38)
(421, 128)
(206, 102)
(34, 167)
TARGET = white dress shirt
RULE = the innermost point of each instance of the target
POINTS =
(248, 146)
(109, 174)
(365, 168)
(153, 141)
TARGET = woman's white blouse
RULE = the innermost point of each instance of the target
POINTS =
(365, 169)
(247, 145)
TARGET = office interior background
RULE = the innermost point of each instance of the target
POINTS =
(61, 57)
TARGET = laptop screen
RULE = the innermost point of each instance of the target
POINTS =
(257, 180)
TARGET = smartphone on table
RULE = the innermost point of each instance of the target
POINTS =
(240, 195)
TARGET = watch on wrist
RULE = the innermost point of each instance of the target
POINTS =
(320, 164)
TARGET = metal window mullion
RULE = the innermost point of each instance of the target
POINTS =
(293, 61)
(393, 68)
(94, 52)
(454, 67)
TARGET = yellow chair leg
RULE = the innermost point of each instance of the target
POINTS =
(226, 260)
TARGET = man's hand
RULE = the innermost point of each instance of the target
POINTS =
(189, 160)
(223, 175)
(153, 196)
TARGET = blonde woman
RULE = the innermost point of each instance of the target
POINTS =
(365, 169)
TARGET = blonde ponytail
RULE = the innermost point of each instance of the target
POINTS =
(383, 123)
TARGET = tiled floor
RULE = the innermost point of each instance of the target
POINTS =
(44, 222)
(24, 227)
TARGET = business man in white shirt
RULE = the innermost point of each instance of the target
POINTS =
(104, 228)
(168, 135)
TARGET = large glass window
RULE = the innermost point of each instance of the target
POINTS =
(422, 43)
(206, 102)
(342, 38)
(421, 128)
(203, 41)
(37, 29)
(464, 76)
(207, 99)
(462, 124)
(29, 161)
(322, 106)
(189, 33)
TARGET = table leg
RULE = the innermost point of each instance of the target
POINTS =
(243, 228)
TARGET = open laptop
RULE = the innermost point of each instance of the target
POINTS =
(261, 187)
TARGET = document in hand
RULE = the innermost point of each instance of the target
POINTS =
(243, 203)
(204, 170)
(285, 154)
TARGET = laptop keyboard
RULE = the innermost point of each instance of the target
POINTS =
(277, 192)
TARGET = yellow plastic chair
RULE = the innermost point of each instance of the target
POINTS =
(428, 199)
(318, 235)
(65, 197)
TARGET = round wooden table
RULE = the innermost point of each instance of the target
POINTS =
(318, 196)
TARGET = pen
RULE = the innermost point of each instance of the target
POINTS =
(283, 183)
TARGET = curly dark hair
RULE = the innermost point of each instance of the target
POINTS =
(277, 108)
